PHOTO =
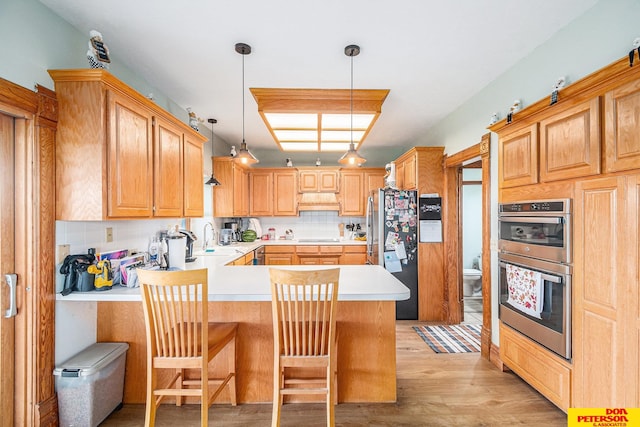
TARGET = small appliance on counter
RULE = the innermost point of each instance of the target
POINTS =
(235, 230)
(191, 237)
(226, 236)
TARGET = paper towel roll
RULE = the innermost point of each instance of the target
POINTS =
(177, 251)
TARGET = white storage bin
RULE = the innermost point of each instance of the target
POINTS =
(90, 385)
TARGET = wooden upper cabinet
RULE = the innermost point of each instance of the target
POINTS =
(622, 121)
(261, 193)
(285, 183)
(518, 157)
(570, 142)
(118, 155)
(193, 177)
(410, 173)
(318, 180)
(373, 179)
(400, 175)
(231, 197)
(352, 194)
(129, 160)
(168, 155)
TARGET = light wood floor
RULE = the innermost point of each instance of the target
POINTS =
(433, 390)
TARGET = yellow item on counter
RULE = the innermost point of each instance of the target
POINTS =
(103, 277)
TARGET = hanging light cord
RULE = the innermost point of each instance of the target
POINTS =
(351, 93)
(243, 98)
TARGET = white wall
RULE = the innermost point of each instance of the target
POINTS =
(471, 221)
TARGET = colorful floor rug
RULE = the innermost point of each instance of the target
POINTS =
(452, 338)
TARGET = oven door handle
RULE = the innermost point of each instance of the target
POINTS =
(547, 277)
(530, 219)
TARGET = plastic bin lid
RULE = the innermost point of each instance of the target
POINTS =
(93, 358)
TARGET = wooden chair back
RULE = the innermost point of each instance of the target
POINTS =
(304, 306)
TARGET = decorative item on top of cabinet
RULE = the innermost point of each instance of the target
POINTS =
(107, 136)
(518, 156)
(621, 137)
(570, 142)
(231, 198)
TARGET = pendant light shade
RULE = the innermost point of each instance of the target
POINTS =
(212, 181)
(351, 157)
(244, 156)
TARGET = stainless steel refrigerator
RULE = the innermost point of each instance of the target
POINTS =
(392, 241)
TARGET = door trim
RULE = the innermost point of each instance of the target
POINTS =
(453, 230)
(36, 120)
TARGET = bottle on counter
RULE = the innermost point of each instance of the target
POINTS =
(154, 249)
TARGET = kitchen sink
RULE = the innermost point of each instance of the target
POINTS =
(318, 240)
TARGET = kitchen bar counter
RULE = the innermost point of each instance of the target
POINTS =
(365, 317)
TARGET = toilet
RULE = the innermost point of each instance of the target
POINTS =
(471, 283)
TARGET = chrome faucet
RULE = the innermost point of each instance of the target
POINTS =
(205, 242)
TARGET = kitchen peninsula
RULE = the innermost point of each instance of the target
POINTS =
(365, 318)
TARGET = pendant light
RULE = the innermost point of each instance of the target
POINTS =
(244, 156)
(212, 181)
(351, 157)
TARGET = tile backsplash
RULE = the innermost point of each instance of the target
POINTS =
(135, 234)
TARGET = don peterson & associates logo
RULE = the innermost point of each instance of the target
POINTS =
(603, 417)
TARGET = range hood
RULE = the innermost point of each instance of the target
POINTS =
(318, 202)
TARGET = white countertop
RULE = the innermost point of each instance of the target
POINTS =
(251, 283)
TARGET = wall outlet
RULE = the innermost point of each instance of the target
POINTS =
(109, 234)
(61, 252)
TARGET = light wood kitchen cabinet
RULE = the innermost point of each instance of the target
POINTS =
(622, 139)
(280, 255)
(319, 254)
(111, 161)
(606, 313)
(354, 254)
(193, 173)
(570, 142)
(373, 179)
(518, 157)
(273, 192)
(545, 371)
(352, 194)
(231, 197)
(167, 161)
(318, 180)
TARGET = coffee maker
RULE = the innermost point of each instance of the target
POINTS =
(235, 230)
(191, 237)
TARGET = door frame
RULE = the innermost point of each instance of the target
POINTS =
(35, 114)
(453, 231)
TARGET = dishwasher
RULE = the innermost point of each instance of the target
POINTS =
(258, 256)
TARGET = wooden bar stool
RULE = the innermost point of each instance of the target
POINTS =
(175, 309)
(304, 328)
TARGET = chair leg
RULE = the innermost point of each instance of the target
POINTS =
(150, 409)
(178, 385)
(232, 369)
(204, 397)
(332, 395)
(277, 396)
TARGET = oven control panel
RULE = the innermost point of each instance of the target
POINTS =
(550, 206)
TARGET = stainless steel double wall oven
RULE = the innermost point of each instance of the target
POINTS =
(536, 235)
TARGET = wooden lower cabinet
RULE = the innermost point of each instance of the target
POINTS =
(319, 254)
(280, 255)
(542, 369)
(354, 255)
(606, 313)
(315, 254)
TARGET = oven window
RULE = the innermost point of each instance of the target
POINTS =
(530, 231)
(553, 307)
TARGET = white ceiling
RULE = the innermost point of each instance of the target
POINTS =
(433, 55)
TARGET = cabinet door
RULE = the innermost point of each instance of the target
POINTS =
(400, 175)
(373, 181)
(518, 157)
(261, 193)
(570, 143)
(308, 181)
(284, 193)
(129, 158)
(352, 198)
(279, 259)
(622, 121)
(328, 182)
(410, 172)
(193, 178)
(602, 275)
(168, 170)
(240, 191)
(223, 194)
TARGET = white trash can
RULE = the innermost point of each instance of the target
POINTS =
(90, 385)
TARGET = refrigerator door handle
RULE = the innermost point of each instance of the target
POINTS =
(369, 226)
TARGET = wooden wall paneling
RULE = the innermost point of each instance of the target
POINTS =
(453, 231)
(632, 335)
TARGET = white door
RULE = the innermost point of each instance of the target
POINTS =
(7, 266)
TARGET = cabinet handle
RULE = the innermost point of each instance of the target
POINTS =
(12, 281)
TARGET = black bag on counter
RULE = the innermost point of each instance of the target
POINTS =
(76, 277)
